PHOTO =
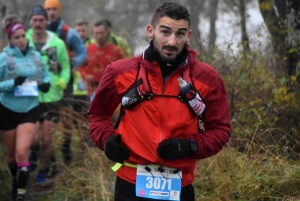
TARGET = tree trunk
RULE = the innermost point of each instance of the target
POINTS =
(245, 38)
(8, 7)
(3, 12)
(212, 19)
(293, 42)
(275, 23)
(280, 5)
(195, 9)
(11, 7)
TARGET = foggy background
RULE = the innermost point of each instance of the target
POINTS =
(214, 22)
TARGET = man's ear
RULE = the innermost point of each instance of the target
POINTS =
(189, 35)
(150, 31)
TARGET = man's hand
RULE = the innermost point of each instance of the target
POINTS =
(114, 150)
(44, 87)
(61, 84)
(174, 148)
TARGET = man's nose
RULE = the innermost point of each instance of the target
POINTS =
(172, 40)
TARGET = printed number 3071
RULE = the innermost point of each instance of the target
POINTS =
(158, 183)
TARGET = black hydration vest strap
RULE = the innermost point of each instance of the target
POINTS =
(122, 112)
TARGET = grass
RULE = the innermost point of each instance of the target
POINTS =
(230, 175)
(260, 163)
(254, 174)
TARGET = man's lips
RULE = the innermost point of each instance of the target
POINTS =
(170, 49)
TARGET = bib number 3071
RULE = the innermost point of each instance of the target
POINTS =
(158, 183)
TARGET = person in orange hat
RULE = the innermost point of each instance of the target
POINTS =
(54, 4)
(77, 53)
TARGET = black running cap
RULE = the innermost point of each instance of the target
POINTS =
(38, 10)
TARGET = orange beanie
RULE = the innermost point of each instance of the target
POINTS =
(52, 4)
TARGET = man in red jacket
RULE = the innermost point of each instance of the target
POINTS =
(99, 55)
(157, 139)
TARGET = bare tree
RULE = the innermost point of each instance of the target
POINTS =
(196, 7)
(243, 16)
(274, 14)
(212, 19)
(293, 42)
(8, 7)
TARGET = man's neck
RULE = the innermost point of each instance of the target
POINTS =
(101, 46)
(40, 38)
(53, 25)
(52, 21)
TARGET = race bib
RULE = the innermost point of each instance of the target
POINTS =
(158, 182)
(28, 88)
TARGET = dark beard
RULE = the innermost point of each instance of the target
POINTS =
(151, 54)
(162, 57)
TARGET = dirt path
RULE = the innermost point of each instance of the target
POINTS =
(36, 192)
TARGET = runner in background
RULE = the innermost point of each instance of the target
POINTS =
(99, 55)
(82, 28)
(22, 73)
(55, 55)
(117, 40)
(77, 55)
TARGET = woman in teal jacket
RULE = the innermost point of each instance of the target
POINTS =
(23, 75)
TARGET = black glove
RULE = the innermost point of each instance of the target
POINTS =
(114, 150)
(44, 87)
(19, 80)
(174, 148)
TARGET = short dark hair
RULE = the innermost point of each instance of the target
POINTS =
(172, 10)
(108, 23)
(81, 22)
(101, 22)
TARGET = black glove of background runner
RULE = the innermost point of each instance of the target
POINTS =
(114, 150)
(44, 87)
(174, 148)
(19, 80)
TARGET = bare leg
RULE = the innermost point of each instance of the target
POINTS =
(24, 139)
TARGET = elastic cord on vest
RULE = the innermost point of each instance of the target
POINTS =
(160, 168)
(148, 170)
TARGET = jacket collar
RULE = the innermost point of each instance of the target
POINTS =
(59, 27)
(151, 65)
(50, 37)
(15, 51)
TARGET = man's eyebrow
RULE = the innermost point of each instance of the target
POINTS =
(166, 27)
(163, 26)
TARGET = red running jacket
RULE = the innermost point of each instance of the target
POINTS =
(147, 124)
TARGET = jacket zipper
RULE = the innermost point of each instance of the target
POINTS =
(161, 110)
